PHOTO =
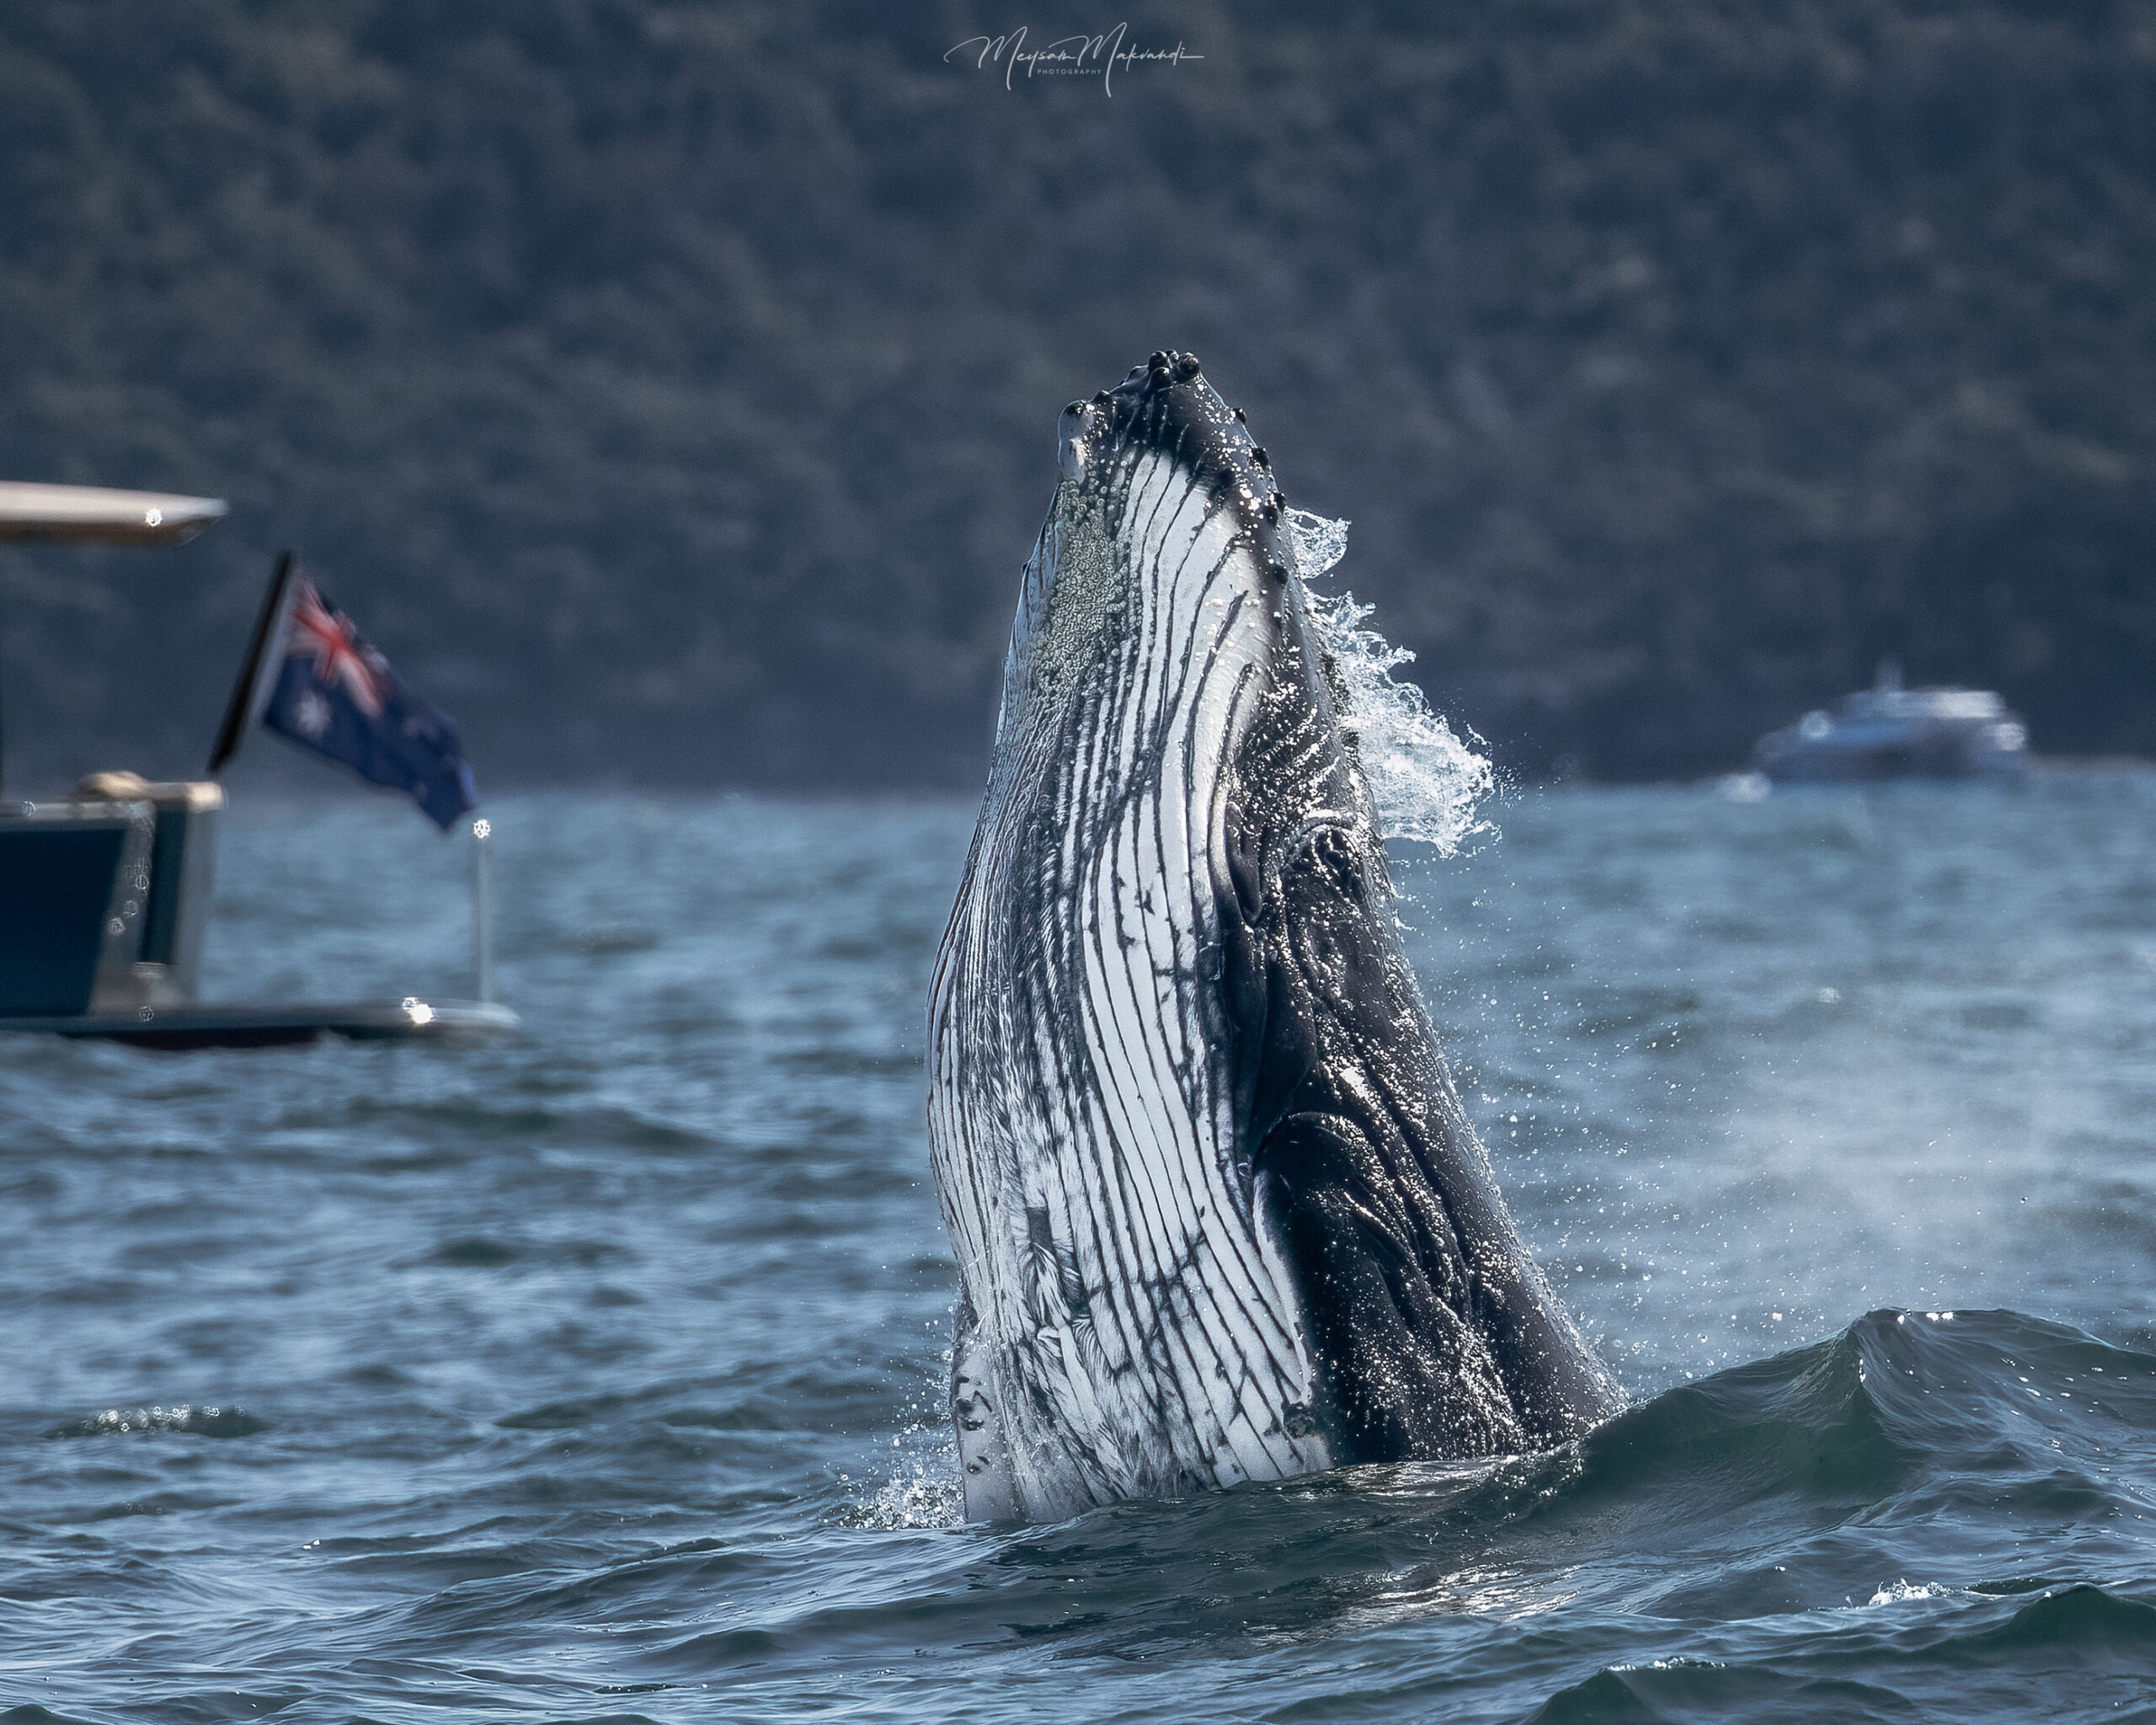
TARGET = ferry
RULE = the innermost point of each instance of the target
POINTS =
(1888, 732)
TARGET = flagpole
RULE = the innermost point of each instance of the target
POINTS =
(251, 689)
(482, 909)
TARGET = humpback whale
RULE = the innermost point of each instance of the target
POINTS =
(1218, 1213)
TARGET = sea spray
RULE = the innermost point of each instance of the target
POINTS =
(1426, 780)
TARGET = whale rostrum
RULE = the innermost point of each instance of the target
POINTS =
(1218, 1213)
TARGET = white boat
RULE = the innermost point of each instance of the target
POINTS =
(1888, 732)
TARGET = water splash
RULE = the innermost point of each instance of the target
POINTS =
(921, 1486)
(922, 1489)
(1320, 543)
(1902, 1592)
(194, 1421)
(1426, 780)
(927, 1498)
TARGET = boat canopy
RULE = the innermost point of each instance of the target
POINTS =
(33, 511)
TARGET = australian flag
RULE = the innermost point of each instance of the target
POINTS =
(319, 683)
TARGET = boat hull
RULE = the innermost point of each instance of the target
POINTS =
(242, 1026)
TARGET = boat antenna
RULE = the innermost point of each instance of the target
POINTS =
(483, 910)
(252, 690)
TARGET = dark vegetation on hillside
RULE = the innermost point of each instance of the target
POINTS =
(669, 388)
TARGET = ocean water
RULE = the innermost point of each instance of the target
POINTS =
(596, 1374)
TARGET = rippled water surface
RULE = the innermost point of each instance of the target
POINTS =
(596, 1374)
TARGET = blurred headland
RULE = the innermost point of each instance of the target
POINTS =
(668, 388)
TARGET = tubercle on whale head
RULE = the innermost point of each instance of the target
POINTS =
(1167, 404)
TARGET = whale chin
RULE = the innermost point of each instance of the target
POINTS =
(1218, 1214)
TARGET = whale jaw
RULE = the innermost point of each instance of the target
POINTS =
(1217, 1213)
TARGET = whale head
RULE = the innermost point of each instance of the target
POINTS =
(1218, 1213)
